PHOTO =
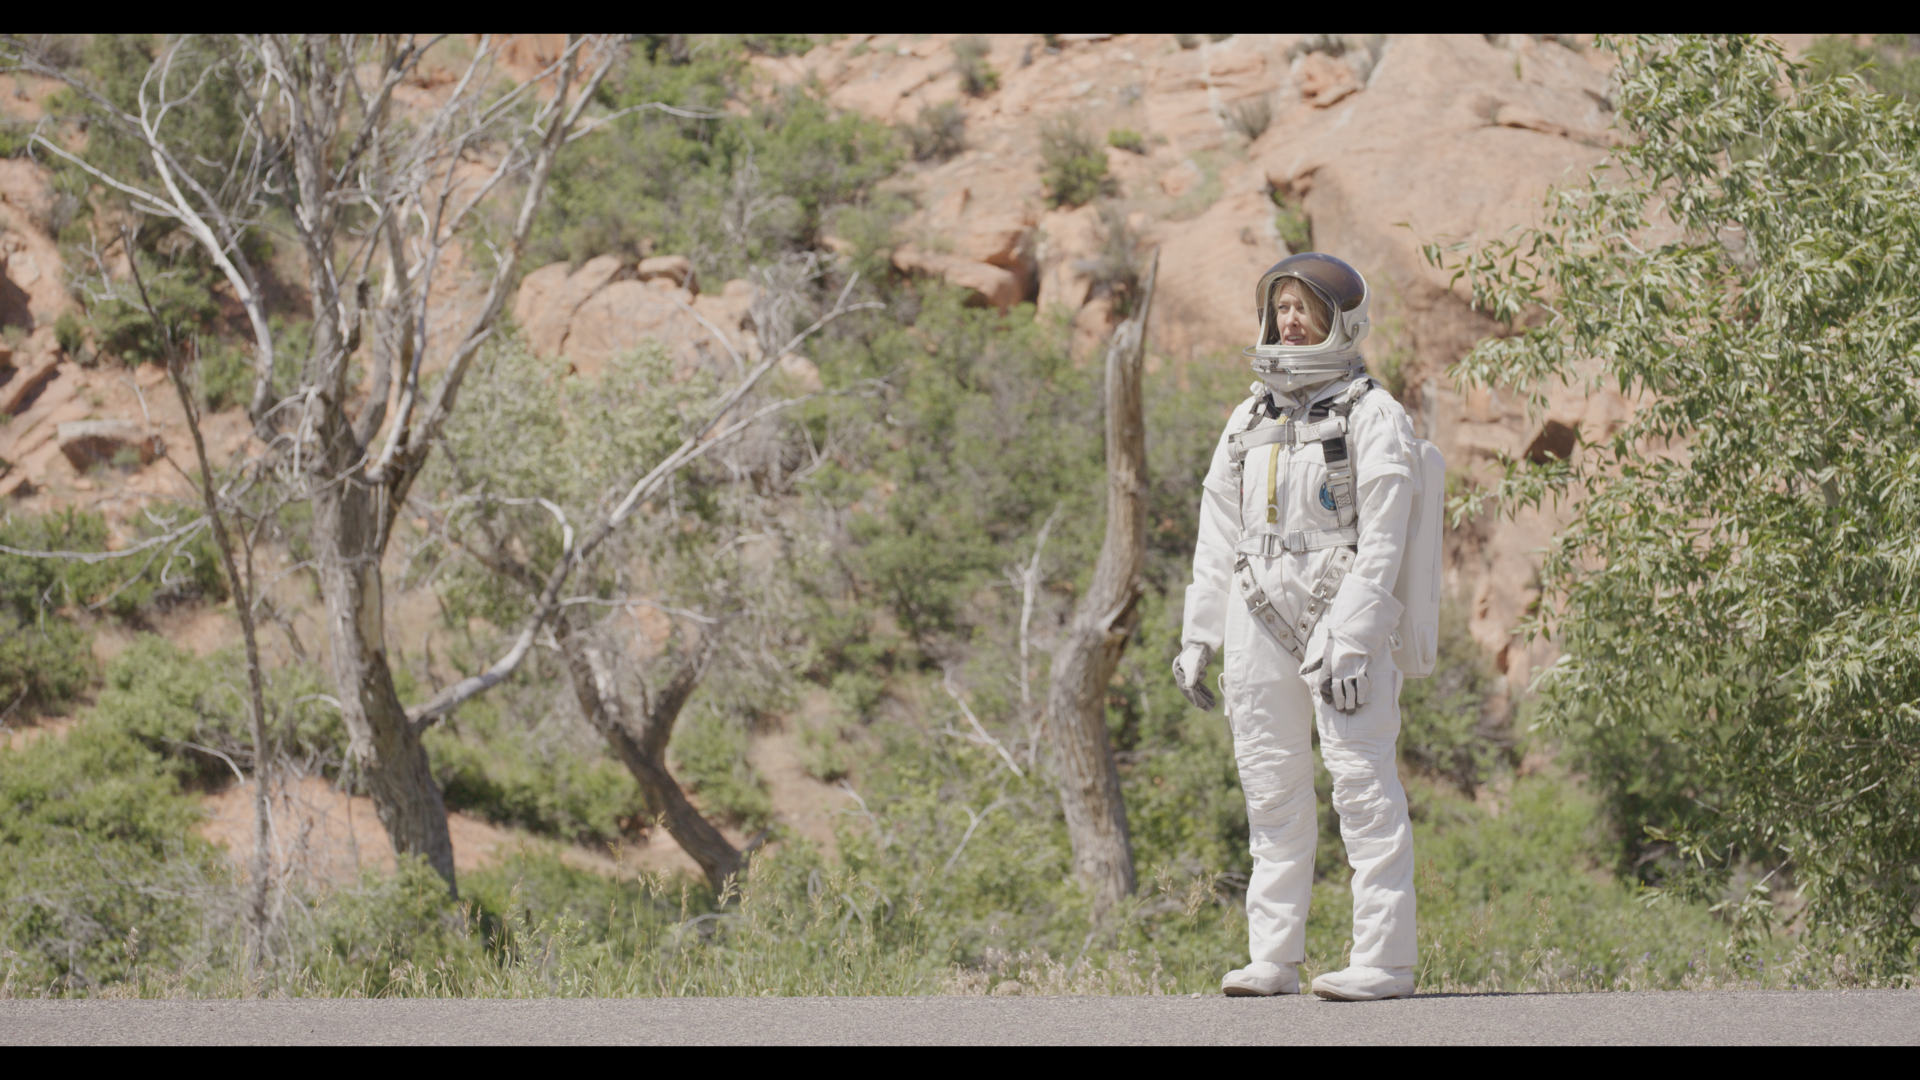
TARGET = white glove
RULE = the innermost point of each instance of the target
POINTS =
(1357, 623)
(1190, 675)
(1348, 684)
(1339, 676)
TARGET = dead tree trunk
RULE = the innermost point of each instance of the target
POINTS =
(1105, 618)
(354, 495)
(641, 742)
(347, 546)
(319, 138)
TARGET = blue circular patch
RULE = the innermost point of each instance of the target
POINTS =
(1326, 498)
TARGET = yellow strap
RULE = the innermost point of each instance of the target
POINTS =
(1273, 485)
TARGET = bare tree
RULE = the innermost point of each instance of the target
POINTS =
(320, 138)
(640, 739)
(260, 868)
(476, 522)
(1103, 621)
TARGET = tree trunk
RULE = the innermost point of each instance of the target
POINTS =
(1105, 618)
(642, 745)
(386, 748)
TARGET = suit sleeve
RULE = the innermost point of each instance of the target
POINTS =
(1364, 612)
(1205, 621)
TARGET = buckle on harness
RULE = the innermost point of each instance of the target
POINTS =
(1270, 545)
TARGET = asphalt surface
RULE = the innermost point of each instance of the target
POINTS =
(1879, 1017)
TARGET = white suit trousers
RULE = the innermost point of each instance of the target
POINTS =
(1271, 710)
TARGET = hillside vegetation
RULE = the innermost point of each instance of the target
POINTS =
(868, 577)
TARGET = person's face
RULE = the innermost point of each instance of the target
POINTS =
(1292, 318)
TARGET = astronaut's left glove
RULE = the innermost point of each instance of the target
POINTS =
(1347, 685)
(1339, 675)
(1355, 628)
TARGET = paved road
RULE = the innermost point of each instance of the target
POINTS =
(1838, 1017)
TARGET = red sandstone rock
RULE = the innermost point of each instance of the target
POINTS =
(989, 284)
(21, 387)
(802, 375)
(677, 269)
(86, 443)
(551, 311)
(1324, 81)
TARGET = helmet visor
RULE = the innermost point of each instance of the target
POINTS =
(1338, 284)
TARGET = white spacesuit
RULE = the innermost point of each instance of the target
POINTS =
(1303, 525)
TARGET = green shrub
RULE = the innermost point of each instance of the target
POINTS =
(975, 389)
(1737, 626)
(1251, 117)
(1444, 726)
(823, 750)
(370, 941)
(191, 709)
(97, 842)
(1127, 139)
(182, 298)
(779, 44)
(1515, 902)
(1293, 224)
(1115, 269)
(939, 133)
(857, 693)
(709, 753)
(45, 659)
(532, 777)
(1890, 65)
(1075, 167)
(44, 663)
(226, 375)
(70, 333)
(977, 77)
(654, 182)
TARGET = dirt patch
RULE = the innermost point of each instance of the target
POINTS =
(199, 628)
(18, 735)
(802, 805)
(326, 835)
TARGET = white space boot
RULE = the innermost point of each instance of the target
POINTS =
(1359, 983)
(1262, 978)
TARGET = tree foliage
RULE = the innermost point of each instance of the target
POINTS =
(44, 656)
(730, 191)
(1076, 166)
(1736, 593)
(207, 128)
(1891, 64)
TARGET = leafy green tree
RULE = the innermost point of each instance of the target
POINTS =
(1735, 595)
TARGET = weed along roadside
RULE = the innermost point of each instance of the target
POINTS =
(659, 550)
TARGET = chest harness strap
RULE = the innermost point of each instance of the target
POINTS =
(1326, 424)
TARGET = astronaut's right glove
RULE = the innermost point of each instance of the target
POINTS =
(1190, 675)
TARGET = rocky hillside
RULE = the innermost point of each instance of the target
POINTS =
(1364, 148)
(1226, 152)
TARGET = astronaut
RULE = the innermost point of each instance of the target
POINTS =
(1303, 525)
